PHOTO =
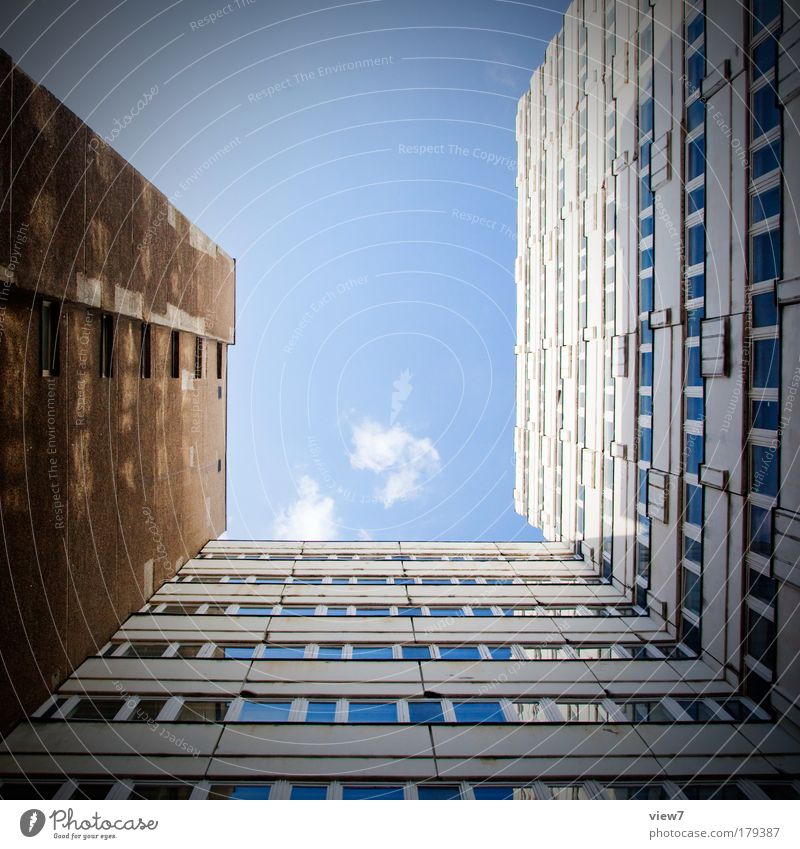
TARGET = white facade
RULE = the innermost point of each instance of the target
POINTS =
(395, 670)
(657, 279)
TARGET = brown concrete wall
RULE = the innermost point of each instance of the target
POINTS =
(98, 476)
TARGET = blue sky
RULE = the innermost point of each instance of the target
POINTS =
(359, 162)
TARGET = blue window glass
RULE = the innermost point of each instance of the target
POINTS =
(254, 611)
(644, 157)
(284, 652)
(473, 712)
(696, 244)
(693, 550)
(764, 467)
(645, 405)
(694, 504)
(695, 115)
(321, 712)
(691, 592)
(764, 12)
(695, 28)
(642, 488)
(465, 581)
(766, 204)
(308, 792)
(329, 653)
(766, 159)
(425, 712)
(270, 580)
(646, 368)
(766, 258)
(265, 712)
(646, 444)
(436, 581)
(696, 287)
(404, 581)
(697, 200)
(499, 581)
(482, 611)
(370, 580)
(694, 453)
(696, 152)
(690, 635)
(340, 580)
(439, 793)
(237, 580)
(416, 653)
(372, 611)
(493, 792)
(761, 586)
(645, 195)
(378, 792)
(646, 259)
(646, 117)
(765, 310)
(242, 652)
(372, 712)
(459, 652)
(766, 363)
(695, 69)
(766, 114)
(693, 375)
(645, 332)
(372, 652)
(760, 530)
(694, 409)
(646, 227)
(298, 611)
(765, 415)
(500, 652)
(642, 559)
(446, 611)
(693, 319)
(409, 611)
(246, 791)
(336, 611)
(646, 295)
(760, 638)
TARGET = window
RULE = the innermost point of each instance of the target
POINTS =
(446, 611)
(259, 611)
(219, 360)
(476, 712)
(265, 712)
(646, 712)
(766, 114)
(764, 470)
(283, 652)
(350, 791)
(298, 611)
(235, 652)
(760, 638)
(766, 159)
(336, 611)
(765, 262)
(494, 792)
(409, 611)
(500, 652)
(198, 357)
(144, 351)
(329, 652)
(764, 13)
(691, 592)
(425, 712)
(765, 204)
(175, 353)
(203, 711)
(766, 363)
(161, 791)
(696, 245)
(530, 712)
(765, 310)
(321, 712)
(50, 319)
(372, 712)
(695, 115)
(106, 345)
(459, 653)
(438, 793)
(147, 710)
(308, 792)
(696, 152)
(239, 791)
(416, 653)
(96, 709)
(635, 791)
(144, 650)
(372, 653)
(372, 611)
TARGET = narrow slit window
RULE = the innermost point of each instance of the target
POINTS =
(49, 354)
(106, 345)
(198, 357)
(175, 353)
(144, 353)
(219, 360)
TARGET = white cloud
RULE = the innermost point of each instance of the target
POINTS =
(397, 455)
(312, 516)
(364, 535)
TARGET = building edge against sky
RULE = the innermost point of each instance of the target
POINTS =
(657, 278)
(116, 313)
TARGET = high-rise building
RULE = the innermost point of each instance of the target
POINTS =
(396, 670)
(115, 317)
(657, 278)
